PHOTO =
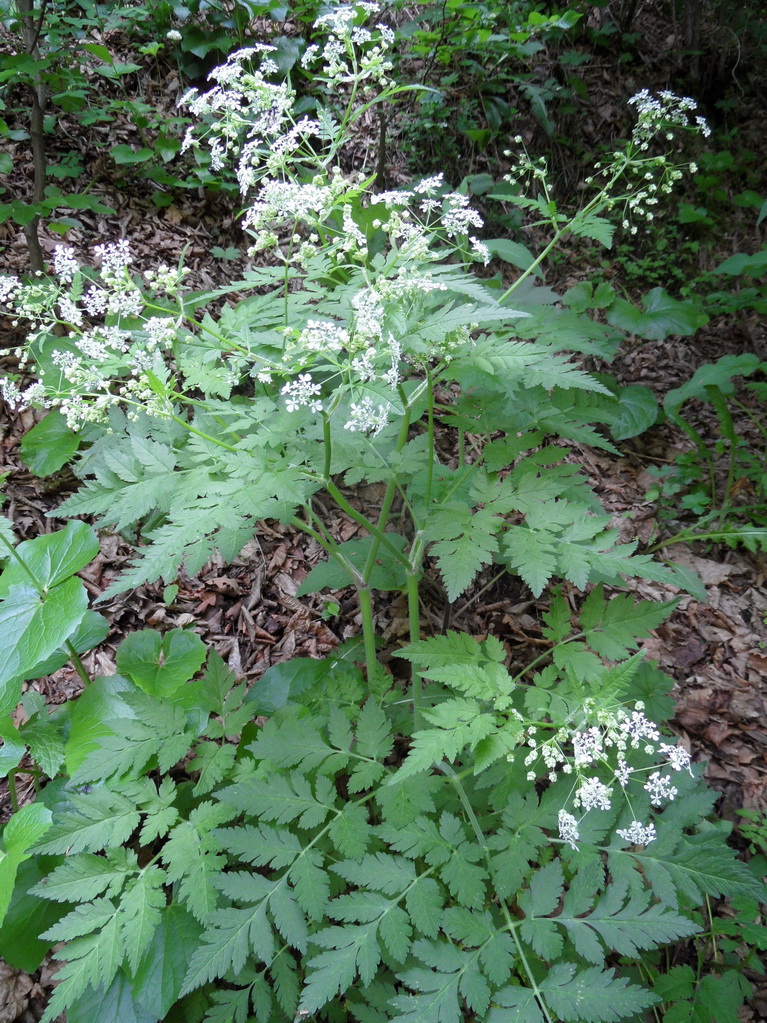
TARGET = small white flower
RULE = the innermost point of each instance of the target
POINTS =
(587, 747)
(365, 419)
(10, 393)
(568, 828)
(301, 392)
(638, 834)
(69, 311)
(114, 256)
(660, 788)
(591, 794)
(173, 36)
(65, 265)
(9, 286)
(678, 757)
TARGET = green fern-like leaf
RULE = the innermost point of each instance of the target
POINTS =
(100, 819)
(460, 724)
(194, 860)
(462, 542)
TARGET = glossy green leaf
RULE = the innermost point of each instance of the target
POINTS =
(29, 916)
(753, 266)
(49, 445)
(124, 154)
(13, 746)
(34, 626)
(91, 631)
(100, 702)
(161, 972)
(637, 411)
(116, 1002)
(51, 558)
(718, 374)
(23, 830)
(661, 316)
(511, 252)
(387, 574)
(161, 664)
(284, 683)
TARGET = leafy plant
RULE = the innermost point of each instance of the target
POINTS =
(697, 483)
(479, 62)
(511, 846)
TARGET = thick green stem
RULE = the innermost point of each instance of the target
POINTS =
(391, 490)
(368, 631)
(12, 793)
(414, 620)
(199, 433)
(430, 422)
(535, 264)
(77, 664)
(511, 924)
(327, 445)
(358, 517)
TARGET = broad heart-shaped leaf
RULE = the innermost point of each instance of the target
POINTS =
(662, 316)
(161, 972)
(28, 916)
(718, 374)
(100, 702)
(511, 252)
(387, 574)
(742, 263)
(33, 626)
(49, 445)
(23, 830)
(91, 631)
(636, 412)
(116, 1002)
(161, 664)
(51, 558)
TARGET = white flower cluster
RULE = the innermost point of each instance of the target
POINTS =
(249, 113)
(632, 180)
(594, 745)
(302, 392)
(663, 114)
(99, 364)
(365, 419)
(351, 53)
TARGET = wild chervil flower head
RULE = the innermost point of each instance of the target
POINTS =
(638, 833)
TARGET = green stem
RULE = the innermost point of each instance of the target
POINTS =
(391, 490)
(200, 433)
(77, 664)
(511, 924)
(535, 264)
(467, 807)
(15, 554)
(12, 793)
(414, 620)
(368, 631)
(329, 545)
(359, 518)
(430, 426)
(730, 434)
(327, 444)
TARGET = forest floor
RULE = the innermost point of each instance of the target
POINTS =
(716, 651)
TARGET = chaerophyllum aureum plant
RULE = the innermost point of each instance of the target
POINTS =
(481, 842)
